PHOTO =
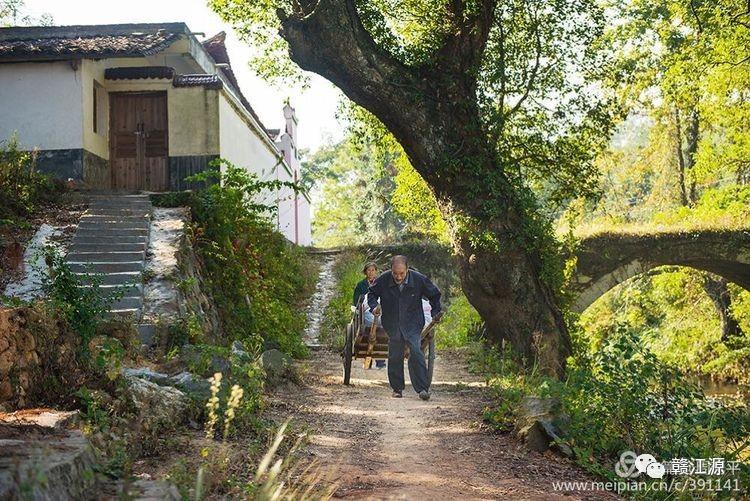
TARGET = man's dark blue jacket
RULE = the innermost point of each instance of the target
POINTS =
(402, 310)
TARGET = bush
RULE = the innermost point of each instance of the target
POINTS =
(83, 307)
(460, 323)
(22, 188)
(257, 278)
(626, 399)
(623, 398)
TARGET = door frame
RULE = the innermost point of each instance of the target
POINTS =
(112, 97)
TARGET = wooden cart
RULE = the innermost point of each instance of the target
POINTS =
(370, 343)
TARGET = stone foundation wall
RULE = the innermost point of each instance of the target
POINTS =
(33, 346)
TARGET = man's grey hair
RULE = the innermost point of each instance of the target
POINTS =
(399, 259)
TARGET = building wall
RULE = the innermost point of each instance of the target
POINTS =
(192, 114)
(42, 103)
(294, 209)
(51, 106)
(286, 196)
(192, 111)
(242, 145)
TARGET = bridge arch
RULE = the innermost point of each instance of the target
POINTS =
(606, 260)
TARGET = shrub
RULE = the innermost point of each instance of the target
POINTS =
(78, 299)
(621, 397)
(460, 322)
(22, 188)
(257, 278)
(626, 399)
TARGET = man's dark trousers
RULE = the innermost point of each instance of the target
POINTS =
(417, 364)
(403, 320)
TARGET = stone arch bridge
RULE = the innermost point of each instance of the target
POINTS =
(609, 259)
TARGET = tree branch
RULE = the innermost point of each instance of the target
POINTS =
(463, 52)
(534, 71)
(332, 42)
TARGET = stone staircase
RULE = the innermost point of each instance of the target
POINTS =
(111, 241)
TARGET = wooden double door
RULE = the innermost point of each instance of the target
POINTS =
(139, 141)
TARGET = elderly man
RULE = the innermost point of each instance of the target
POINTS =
(400, 291)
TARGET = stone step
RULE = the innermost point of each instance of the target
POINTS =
(106, 267)
(116, 203)
(115, 225)
(130, 290)
(128, 303)
(117, 218)
(105, 257)
(114, 212)
(120, 239)
(113, 278)
(107, 247)
(126, 314)
(94, 231)
(119, 200)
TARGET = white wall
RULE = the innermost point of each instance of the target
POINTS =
(240, 143)
(42, 102)
(294, 209)
(245, 147)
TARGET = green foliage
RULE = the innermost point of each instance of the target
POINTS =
(257, 278)
(172, 199)
(354, 187)
(460, 323)
(12, 14)
(416, 205)
(22, 188)
(677, 320)
(77, 298)
(655, 410)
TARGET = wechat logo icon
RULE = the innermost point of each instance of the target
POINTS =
(631, 465)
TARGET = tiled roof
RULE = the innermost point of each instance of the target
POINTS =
(91, 41)
(208, 81)
(139, 72)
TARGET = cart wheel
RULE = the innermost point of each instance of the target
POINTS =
(430, 356)
(348, 354)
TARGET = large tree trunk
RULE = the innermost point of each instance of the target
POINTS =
(717, 290)
(432, 111)
(686, 156)
(516, 306)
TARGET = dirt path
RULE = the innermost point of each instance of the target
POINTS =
(378, 447)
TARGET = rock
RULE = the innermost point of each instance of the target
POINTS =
(6, 390)
(194, 357)
(535, 424)
(195, 386)
(220, 364)
(148, 375)
(46, 418)
(149, 490)
(159, 407)
(6, 362)
(190, 384)
(59, 467)
(147, 334)
(277, 365)
(240, 353)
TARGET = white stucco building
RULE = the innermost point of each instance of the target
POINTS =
(139, 107)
